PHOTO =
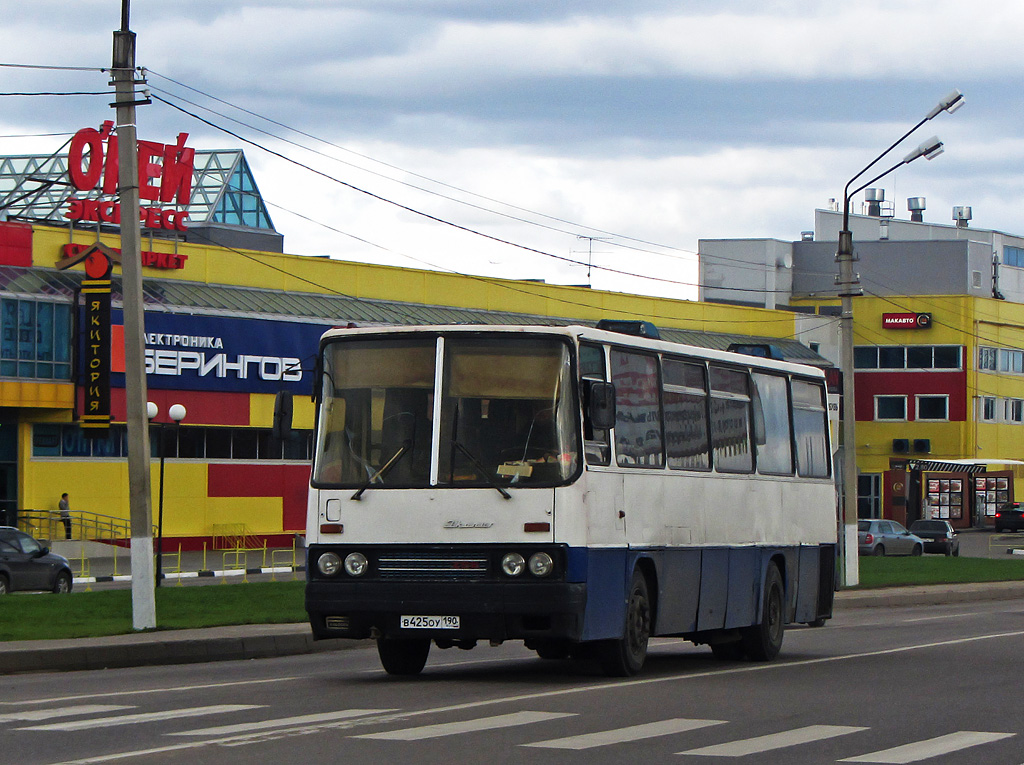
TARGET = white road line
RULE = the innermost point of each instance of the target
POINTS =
(773, 741)
(283, 722)
(167, 714)
(145, 691)
(466, 726)
(47, 714)
(622, 735)
(932, 747)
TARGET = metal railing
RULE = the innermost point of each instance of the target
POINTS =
(84, 526)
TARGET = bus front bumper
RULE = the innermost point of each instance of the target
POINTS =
(485, 610)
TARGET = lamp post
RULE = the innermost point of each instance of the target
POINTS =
(849, 287)
(177, 414)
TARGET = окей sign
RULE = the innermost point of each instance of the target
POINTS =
(906, 320)
(165, 176)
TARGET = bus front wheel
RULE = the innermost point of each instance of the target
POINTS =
(403, 657)
(762, 642)
(626, 656)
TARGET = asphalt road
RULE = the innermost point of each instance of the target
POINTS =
(931, 684)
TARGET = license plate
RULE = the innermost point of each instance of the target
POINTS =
(429, 622)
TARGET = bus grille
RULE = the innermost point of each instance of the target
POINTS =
(443, 566)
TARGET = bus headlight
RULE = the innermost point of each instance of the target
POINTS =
(513, 564)
(541, 564)
(329, 564)
(355, 564)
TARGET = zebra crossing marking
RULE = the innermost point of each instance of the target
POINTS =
(622, 735)
(48, 714)
(282, 722)
(169, 714)
(932, 747)
(466, 726)
(772, 741)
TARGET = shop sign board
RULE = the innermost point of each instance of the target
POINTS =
(225, 354)
(95, 417)
(165, 176)
(906, 320)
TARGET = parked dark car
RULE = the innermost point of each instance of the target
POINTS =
(25, 564)
(1010, 517)
(938, 536)
(881, 537)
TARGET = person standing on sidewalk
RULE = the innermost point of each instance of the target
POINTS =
(65, 514)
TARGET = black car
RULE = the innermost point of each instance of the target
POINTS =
(1010, 517)
(938, 536)
(27, 565)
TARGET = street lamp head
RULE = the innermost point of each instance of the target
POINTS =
(151, 410)
(929, 149)
(176, 412)
(949, 104)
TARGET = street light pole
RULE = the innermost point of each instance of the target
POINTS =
(176, 413)
(849, 287)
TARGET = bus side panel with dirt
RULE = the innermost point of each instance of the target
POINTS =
(577, 489)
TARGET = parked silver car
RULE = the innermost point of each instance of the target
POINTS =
(881, 537)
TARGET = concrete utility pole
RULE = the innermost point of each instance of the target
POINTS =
(143, 576)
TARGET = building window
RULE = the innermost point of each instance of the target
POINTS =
(987, 358)
(932, 408)
(865, 357)
(184, 442)
(1013, 256)
(988, 408)
(35, 339)
(890, 357)
(890, 407)
(908, 357)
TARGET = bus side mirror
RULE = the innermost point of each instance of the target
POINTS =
(283, 415)
(600, 404)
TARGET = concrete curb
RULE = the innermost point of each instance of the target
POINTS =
(166, 647)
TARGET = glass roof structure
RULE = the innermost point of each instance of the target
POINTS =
(37, 189)
(167, 295)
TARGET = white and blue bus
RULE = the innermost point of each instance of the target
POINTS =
(578, 489)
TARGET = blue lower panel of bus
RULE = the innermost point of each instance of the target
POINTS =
(701, 589)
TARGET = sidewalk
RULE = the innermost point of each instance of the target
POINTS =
(268, 640)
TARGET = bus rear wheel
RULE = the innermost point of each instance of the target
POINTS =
(762, 642)
(625, 657)
(402, 656)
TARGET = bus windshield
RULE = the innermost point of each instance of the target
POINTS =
(506, 413)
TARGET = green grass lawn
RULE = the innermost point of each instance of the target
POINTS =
(109, 612)
(932, 569)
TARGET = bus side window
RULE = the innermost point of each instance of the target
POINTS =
(810, 426)
(771, 425)
(596, 441)
(686, 415)
(638, 436)
(730, 421)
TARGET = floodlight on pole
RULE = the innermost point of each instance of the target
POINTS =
(849, 287)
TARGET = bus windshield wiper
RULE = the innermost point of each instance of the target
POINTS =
(405, 447)
(481, 468)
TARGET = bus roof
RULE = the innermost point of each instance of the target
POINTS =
(579, 332)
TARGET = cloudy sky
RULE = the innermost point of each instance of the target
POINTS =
(644, 125)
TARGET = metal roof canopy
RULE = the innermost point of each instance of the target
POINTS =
(36, 188)
(173, 296)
